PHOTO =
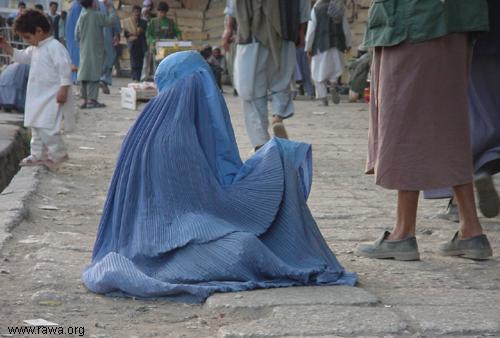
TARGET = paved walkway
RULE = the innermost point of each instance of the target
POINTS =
(40, 265)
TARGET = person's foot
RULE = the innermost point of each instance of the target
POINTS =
(487, 196)
(257, 148)
(31, 161)
(335, 95)
(53, 164)
(477, 247)
(451, 212)
(83, 105)
(235, 92)
(104, 87)
(279, 130)
(324, 102)
(95, 104)
(401, 250)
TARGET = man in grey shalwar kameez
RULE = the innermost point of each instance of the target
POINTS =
(111, 38)
(265, 59)
(89, 32)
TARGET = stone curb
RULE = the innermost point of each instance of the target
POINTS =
(14, 200)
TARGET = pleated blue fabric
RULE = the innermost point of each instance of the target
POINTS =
(185, 218)
(13, 84)
(72, 44)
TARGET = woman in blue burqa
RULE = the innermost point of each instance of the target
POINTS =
(185, 218)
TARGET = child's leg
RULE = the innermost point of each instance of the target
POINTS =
(36, 144)
(56, 149)
(37, 148)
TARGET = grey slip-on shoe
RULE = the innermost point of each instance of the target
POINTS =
(487, 196)
(477, 247)
(401, 250)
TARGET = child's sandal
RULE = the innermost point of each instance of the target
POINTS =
(31, 161)
(52, 164)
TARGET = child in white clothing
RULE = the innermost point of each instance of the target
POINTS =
(48, 96)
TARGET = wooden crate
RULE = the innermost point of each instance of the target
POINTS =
(196, 4)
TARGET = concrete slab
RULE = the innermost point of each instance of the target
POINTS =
(307, 295)
(14, 200)
(8, 118)
(457, 320)
(319, 321)
(444, 297)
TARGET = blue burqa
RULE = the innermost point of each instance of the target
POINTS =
(185, 218)
(13, 85)
(71, 42)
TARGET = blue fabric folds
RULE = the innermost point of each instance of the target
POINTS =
(184, 218)
(13, 84)
(72, 44)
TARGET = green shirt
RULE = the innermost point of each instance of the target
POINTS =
(161, 28)
(391, 22)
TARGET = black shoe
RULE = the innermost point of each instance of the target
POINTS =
(104, 87)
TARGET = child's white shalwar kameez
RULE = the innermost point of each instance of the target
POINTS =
(50, 70)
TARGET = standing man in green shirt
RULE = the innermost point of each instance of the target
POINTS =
(161, 27)
(419, 126)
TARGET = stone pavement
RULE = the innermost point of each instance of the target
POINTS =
(437, 296)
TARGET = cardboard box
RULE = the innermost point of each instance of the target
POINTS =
(131, 95)
(129, 98)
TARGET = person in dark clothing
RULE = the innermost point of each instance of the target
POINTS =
(207, 54)
(134, 30)
(54, 19)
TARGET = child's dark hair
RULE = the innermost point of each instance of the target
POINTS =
(86, 3)
(163, 7)
(39, 7)
(136, 8)
(21, 4)
(53, 3)
(30, 20)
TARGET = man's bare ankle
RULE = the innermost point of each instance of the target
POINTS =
(466, 234)
(399, 236)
